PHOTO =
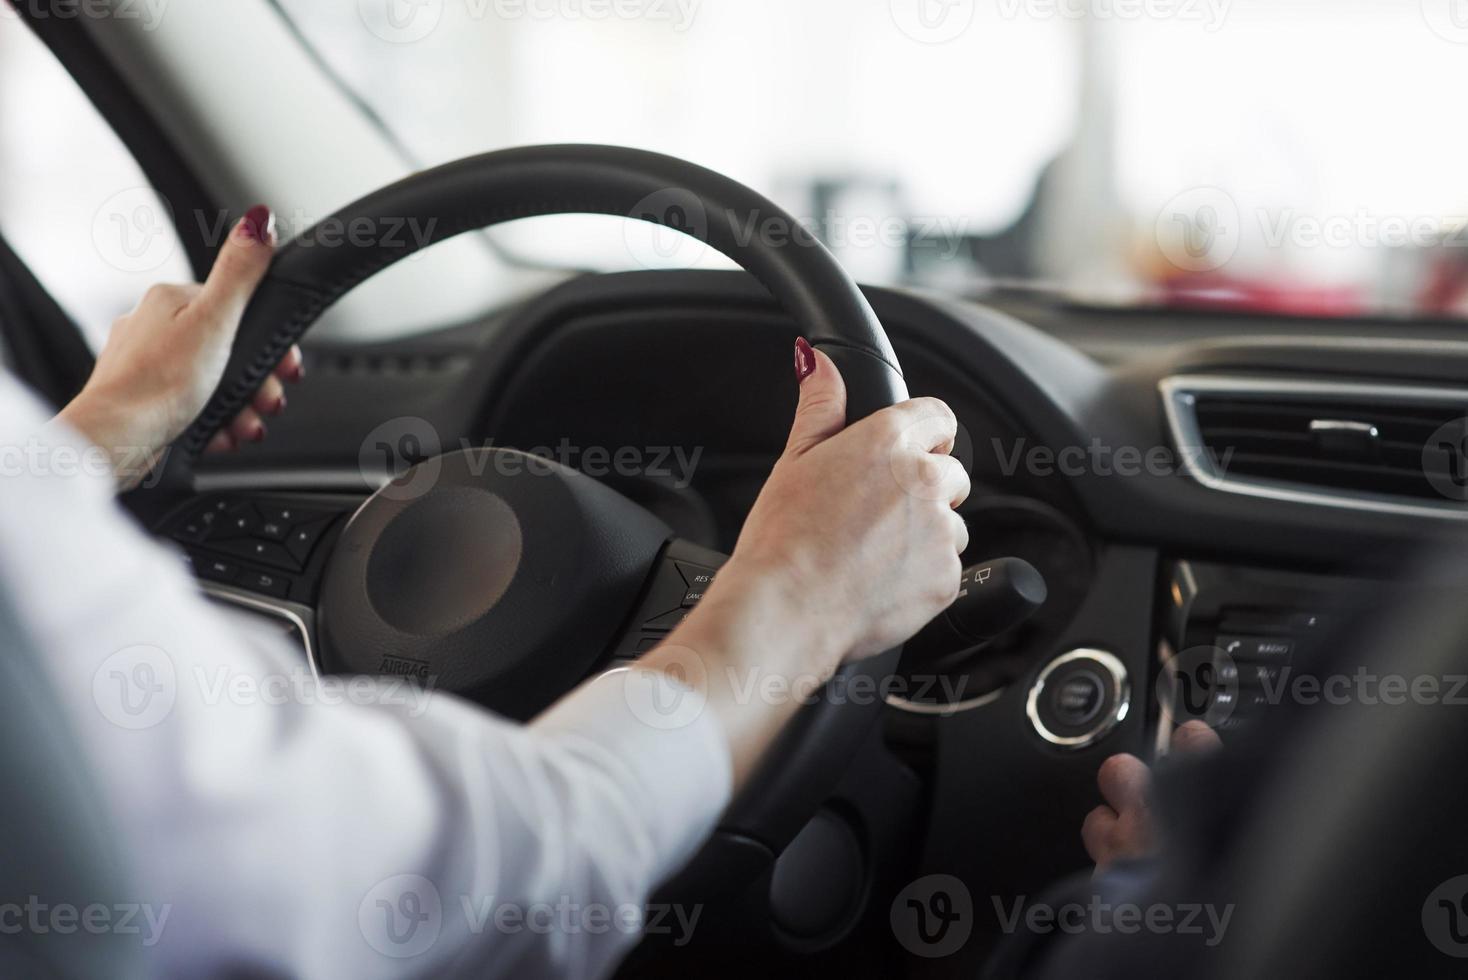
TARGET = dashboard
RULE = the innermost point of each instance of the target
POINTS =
(1089, 436)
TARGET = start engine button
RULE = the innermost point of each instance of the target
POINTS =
(1078, 698)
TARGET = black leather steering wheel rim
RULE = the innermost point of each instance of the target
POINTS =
(307, 276)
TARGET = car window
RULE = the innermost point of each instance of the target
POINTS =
(73, 202)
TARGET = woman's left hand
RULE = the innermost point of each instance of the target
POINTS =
(162, 361)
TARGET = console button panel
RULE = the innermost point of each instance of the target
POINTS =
(266, 544)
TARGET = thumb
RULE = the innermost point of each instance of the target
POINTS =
(242, 263)
(822, 409)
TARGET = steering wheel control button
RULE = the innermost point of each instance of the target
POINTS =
(1078, 698)
(692, 597)
(266, 583)
(215, 569)
(666, 621)
(238, 522)
(695, 576)
(303, 540)
(263, 552)
(191, 531)
(274, 531)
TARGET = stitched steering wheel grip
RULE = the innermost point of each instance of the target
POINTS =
(309, 274)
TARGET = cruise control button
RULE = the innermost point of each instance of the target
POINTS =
(666, 621)
(692, 596)
(264, 552)
(696, 576)
(266, 583)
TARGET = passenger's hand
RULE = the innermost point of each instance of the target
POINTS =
(851, 548)
(162, 361)
(1122, 828)
(856, 526)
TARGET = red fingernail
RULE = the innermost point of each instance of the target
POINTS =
(258, 435)
(280, 405)
(259, 225)
(805, 359)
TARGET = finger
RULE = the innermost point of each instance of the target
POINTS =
(221, 442)
(929, 476)
(169, 297)
(962, 484)
(247, 427)
(1097, 833)
(270, 399)
(292, 367)
(927, 424)
(960, 532)
(822, 409)
(1124, 781)
(1195, 738)
(242, 263)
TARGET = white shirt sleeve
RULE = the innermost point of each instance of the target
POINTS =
(356, 828)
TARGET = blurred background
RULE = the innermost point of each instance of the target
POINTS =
(1249, 155)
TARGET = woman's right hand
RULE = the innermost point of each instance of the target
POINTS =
(850, 549)
(856, 526)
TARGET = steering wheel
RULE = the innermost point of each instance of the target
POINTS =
(510, 579)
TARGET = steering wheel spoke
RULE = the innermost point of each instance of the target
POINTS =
(676, 585)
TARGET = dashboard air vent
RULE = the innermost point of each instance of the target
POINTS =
(1395, 448)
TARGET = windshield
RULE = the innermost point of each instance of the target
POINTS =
(1266, 155)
